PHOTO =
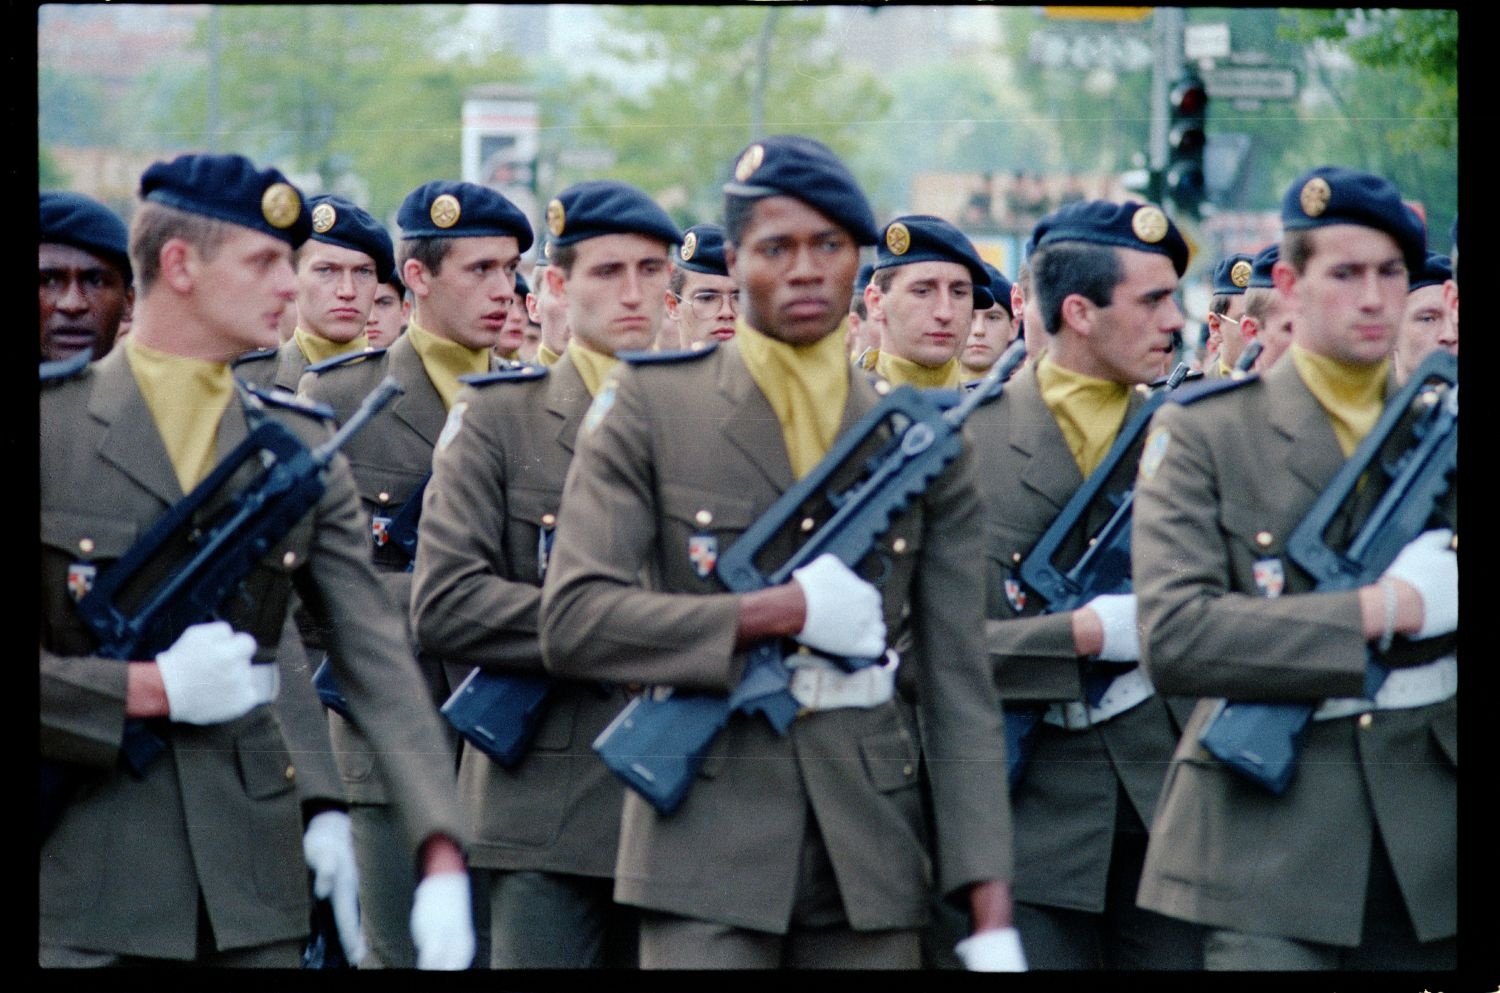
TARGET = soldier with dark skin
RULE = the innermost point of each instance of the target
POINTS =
(789, 851)
(211, 244)
(1353, 866)
(85, 282)
(547, 828)
(461, 244)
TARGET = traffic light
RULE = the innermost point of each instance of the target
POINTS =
(1186, 139)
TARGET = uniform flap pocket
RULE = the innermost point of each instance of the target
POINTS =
(385, 487)
(264, 764)
(87, 536)
(706, 511)
(534, 506)
(890, 759)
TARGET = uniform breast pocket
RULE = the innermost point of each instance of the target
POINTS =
(1255, 541)
(1005, 549)
(697, 527)
(529, 534)
(77, 550)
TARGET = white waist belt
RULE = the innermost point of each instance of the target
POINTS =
(1403, 689)
(818, 684)
(1124, 692)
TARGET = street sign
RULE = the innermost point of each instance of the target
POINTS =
(1251, 83)
(1205, 41)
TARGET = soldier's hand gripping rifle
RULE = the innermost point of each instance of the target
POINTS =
(1412, 451)
(1103, 567)
(658, 742)
(191, 564)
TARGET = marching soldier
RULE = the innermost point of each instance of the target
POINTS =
(1225, 308)
(344, 261)
(1103, 278)
(927, 284)
(85, 276)
(548, 312)
(1268, 317)
(805, 849)
(460, 246)
(1427, 324)
(991, 332)
(388, 314)
(548, 828)
(206, 837)
(1354, 866)
(701, 298)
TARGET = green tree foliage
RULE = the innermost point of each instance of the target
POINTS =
(333, 90)
(50, 176)
(677, 137)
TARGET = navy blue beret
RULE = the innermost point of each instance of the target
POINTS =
(1232, 274)
(340, 221)
(1260, 267)
(522, 287)
(1335, 195)
(1139, 226)
(446, 208)
(801, 167)
(924, 238)
(230, 188)
(606, 206)
(74, 219)
(862, 279)
(395, 280)
(703, 250)
(999, 288)
(1435, 271)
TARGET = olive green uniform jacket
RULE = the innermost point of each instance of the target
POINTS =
(1065, 805)
(497, 481)
(273, 368)
(1239, 470)
(217, 814)
(693, 448)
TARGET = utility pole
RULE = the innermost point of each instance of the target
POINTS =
(762, 69)
(1166, 44)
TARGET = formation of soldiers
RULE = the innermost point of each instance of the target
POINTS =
(917, 757)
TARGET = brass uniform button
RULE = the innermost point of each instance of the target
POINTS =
(384, 497)
(1365, 720)
(289, 559)
(1263, 539)
(808, 524)
(882, 387)
(898, 546)
(906, 770)
(704, 518)
(86, 546)
(291, 772)
(548, 520)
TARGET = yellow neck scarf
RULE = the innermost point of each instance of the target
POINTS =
(591, 365)
(546, 356)
(1225, 369)
(807, 386)
(317, 348)
(903, 372)
(446, 360)
(1089, 411)
(187, 399)
(1353, 395)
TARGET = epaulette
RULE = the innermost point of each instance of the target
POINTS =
(644, 357)
(256, 356)
(517, 374)
(283, 400)
(1185, 395)
(318, 368)
(60, 369)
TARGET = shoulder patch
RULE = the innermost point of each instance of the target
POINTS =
(259, 355)
(318, 368)
(282, 400)
(61, 369)
(666, 358)
(1187, 394)
(518, 374)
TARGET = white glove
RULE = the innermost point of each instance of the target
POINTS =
(844, 613)
(208, 677)
(1117, 615)
(1431, 567)
(442, 922)
(995, 950)
(328, 847)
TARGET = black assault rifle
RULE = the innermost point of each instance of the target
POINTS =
(1103, 567)
(658, 742)
(191, 564)
(1413, 451)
